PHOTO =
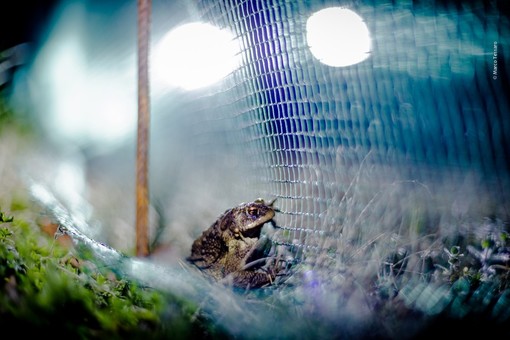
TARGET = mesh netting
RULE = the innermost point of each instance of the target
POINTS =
(386, 173)
(409, 129)
(378, 168)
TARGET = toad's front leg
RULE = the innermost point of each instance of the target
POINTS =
(249, 279)
(248, 259)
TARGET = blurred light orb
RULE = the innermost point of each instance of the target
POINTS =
(195, 55)
(90, 106)
(338, 37)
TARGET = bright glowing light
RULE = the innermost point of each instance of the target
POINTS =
(338, 37)
(83, 103)
(88, 106)
(194, 55)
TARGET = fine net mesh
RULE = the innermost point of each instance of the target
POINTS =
(379, 168)
(391, 176)
(354, 152)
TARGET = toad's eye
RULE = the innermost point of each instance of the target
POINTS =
(253, 211)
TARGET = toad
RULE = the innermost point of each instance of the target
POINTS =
(231, 250)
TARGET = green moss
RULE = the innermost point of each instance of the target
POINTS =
(43, 290)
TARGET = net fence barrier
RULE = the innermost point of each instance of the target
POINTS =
(391, 176)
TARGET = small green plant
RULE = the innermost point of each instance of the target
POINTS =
(4, 218)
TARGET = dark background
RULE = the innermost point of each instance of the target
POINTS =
(22, 21)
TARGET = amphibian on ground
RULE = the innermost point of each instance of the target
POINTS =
(231, 249)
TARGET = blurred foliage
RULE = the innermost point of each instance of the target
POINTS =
(11, 120)
(6, 115)
(46, 290)
(461, 289)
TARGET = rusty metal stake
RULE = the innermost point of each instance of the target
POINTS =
(142, 146)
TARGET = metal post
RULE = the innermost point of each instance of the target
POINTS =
(142, 149)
